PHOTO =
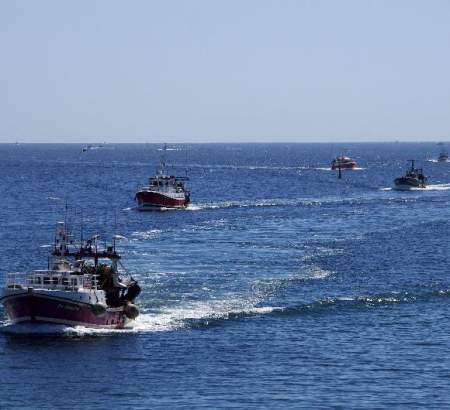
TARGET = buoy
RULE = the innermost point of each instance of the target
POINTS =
(131, 311)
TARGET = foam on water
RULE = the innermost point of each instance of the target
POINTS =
(434, 187)
(315, 272)
(253, 204)
(144, 235)
(295, 202)
(242, 167)
(437, 161)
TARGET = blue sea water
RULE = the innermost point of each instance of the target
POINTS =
(280, 287)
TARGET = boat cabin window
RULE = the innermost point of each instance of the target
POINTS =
(73, 281)
(65, 281)
(46, 280)
(37, 280)
(55, 281)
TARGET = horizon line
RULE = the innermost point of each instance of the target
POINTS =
(225, 142)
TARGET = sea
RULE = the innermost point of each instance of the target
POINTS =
(279, 287)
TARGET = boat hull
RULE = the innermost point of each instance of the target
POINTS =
(37, 308)
(349, 165)
(149, 201)
(405, 183)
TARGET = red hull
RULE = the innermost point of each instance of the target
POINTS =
(349, 165)
(150, 199)
(46, 309)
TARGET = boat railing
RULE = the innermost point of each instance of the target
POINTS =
(52, 280)
(15, 279)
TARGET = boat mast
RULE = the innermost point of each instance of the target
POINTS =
(162, 162)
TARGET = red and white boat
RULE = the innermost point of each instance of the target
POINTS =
(343, 162)
(80, 287)
(164, 191)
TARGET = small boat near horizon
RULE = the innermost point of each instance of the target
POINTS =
(414, 178)
(82, 286)
(91, 147)
(164, 191)
(343, 162)
(443, 157)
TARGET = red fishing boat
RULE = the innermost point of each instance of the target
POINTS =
(164, 191)
(343, 162)
(82, 286)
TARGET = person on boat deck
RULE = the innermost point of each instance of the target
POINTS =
(110, 279)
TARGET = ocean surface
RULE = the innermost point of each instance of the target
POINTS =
(279, 287)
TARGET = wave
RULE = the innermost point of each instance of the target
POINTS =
(434, 187)
(144, 235)
(295, 202)
(242, 167)
(248, 204)
(212, 314)
(436, 160)
(251, 167)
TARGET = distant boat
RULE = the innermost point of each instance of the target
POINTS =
(414, 178)
(164, 191)
(443, 157)
(91, 147)
(343, 162)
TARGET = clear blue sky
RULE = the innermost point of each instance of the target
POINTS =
(231, 70)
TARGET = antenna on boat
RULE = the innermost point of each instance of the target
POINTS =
(81, 228)
(115, 230)
(65, 214)
(163, 158)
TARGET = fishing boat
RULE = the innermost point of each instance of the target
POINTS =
(91, 147)
(343, 162)
(414, 178)
(164, 191)
(82, 286)
(443, 157)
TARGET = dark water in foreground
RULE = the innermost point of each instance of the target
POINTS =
(280, 287)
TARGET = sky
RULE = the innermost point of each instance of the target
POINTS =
(224, 71)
